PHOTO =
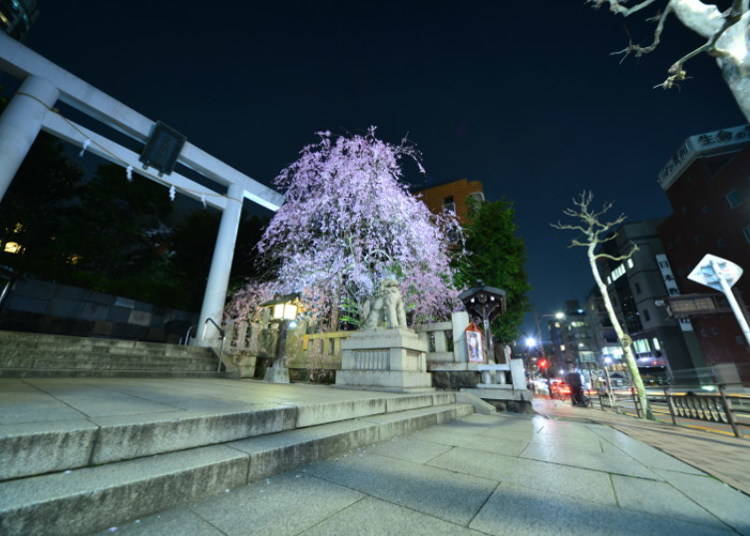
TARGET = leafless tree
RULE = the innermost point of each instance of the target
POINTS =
(726, 35)
(594, 232)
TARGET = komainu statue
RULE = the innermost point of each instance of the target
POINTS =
(385, 308)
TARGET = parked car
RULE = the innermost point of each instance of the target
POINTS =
(560, 389)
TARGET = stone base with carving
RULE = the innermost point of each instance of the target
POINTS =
(384, 360)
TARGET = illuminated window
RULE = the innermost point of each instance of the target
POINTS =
(617, 273)
(657, 346)
(18, 227)
(630, 263)
(562, 347)
(12, 247)
(73, 259)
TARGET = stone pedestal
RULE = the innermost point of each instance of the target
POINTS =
(277, 373)
(384, 360)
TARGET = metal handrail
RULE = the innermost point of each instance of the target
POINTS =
(223, 336)
(186, 340)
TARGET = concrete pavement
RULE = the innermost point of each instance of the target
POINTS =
(724, 457)
(498, 474)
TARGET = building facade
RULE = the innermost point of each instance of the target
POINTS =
(572, 342)
(636, 286)
(606, 347)
(707, 182)
(455, 196)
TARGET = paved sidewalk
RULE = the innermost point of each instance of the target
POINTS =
(495, 475)
(726, 458)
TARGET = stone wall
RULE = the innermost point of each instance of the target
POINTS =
(45, 307)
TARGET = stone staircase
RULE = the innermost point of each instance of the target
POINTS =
(76, 477)
(36, 355)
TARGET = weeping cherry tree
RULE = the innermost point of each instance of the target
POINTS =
(348, 223)
(595, 232)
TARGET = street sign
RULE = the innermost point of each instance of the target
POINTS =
(686, 305)
(721, 274)
(712, 269)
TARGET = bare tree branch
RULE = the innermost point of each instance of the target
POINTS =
(626, 256)
(639, 50)
(677, 73)
(563, 226)
(574, 243)
(616, 6)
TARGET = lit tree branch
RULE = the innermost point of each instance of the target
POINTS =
(616, 6)
(726, 34)
(618, 258)
(640, 50)
(595, 232)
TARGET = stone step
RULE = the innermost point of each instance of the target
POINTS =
(42, 447)
(110, 373)
(33, 354)
(95, 498)
(38, 359)
(168, 350)
(19, 340)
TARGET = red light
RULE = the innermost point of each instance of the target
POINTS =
(542, 364)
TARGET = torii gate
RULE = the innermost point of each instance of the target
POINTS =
(31, 110)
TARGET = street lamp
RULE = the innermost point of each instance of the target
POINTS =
(284, 310)
(559, 315)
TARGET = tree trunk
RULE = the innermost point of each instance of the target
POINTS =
(734, 62)
(625, 341)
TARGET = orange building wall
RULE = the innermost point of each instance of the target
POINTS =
(434, 196)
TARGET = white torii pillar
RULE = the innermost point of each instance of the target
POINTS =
(221, 266)
(20, 124)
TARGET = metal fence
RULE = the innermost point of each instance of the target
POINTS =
(717, 407)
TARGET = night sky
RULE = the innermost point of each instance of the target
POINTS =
(520, 95)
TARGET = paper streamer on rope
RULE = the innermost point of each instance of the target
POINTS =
(129, 173)
(86, 144)
(172, 192)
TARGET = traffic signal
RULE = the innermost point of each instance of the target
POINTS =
(542, 364)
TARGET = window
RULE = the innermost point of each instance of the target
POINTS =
(475, 197)
(641, 346)
(12, 247)
(630, 263)
(449, 205)
(656, 344)
(617, 273)
(733, 198)
(646, 315)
